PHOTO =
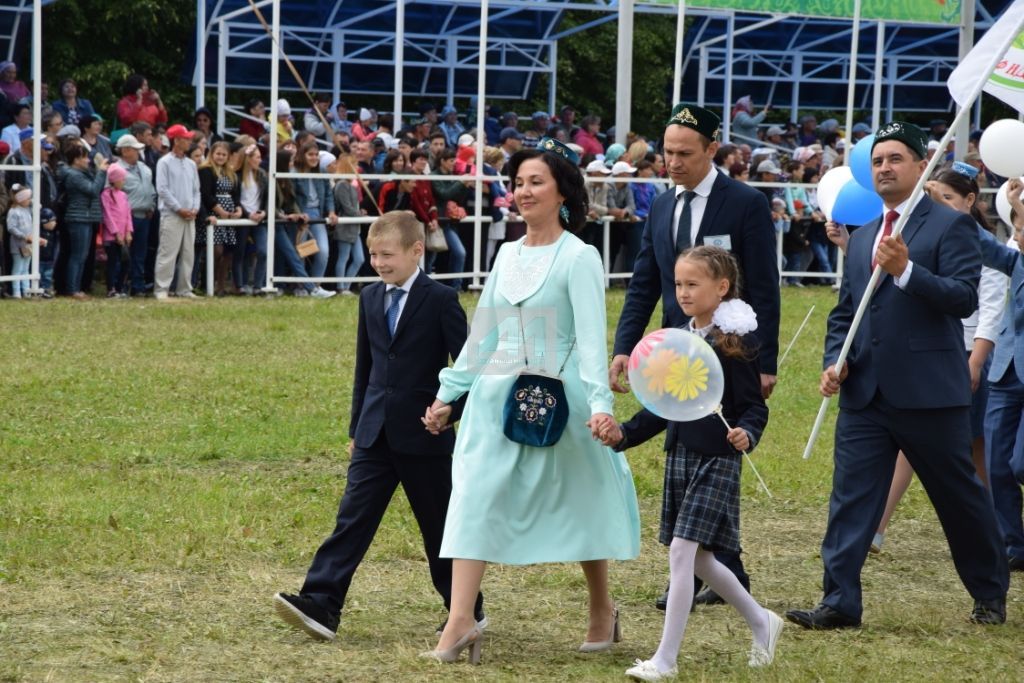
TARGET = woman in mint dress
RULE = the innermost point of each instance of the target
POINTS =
(516, 504)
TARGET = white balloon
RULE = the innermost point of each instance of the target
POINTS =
(1002, 148)
(829, 187)
(1003, 204)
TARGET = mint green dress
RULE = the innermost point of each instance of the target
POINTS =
(517, 504)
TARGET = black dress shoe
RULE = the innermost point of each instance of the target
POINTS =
(1016, 564)
(662, 601)
(989, 612)
(821, 617)
(305, 615)
(708, 597)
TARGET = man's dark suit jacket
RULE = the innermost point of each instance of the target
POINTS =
(733, 209)
(396, 379)
(910, 344)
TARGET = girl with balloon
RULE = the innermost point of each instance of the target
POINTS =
(712, 370)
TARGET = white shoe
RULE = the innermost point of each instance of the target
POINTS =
(764, 655)
(246, 290)
(187, 295)
(160, 296)
(347, 292)
(301, 292)
(647, 671)
(321, 293)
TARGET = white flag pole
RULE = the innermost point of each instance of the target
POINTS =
(851, 89)
(918, 188)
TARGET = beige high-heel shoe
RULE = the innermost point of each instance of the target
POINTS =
(614, 637)
(474, 640)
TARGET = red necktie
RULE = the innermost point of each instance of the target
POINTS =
(890, 219)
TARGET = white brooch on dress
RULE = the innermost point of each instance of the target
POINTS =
(734, 316)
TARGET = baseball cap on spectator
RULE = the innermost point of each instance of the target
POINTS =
(622, 167)
(774, 130)
(364, 114)
(509, 132)
(283, 108)
(540, 115)
(861, 127)
(768, 166)
(178, 131)
(116, 173)
(597, 166)
(129, 140)
(26, 134)
(933, 145)
(5, 149)
(448, 109)
(46, 215)
(165, 141)
(47, 145)
(466, 140)
(69, 130)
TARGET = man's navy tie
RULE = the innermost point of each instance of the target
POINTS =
(683, 226)
(396, 297)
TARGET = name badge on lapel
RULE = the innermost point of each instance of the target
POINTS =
(720, 241)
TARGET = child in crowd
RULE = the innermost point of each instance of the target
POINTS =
(19, 226)
(347, 194)
(700, 505)
(47, 251)
(409, 326)
(117, 230)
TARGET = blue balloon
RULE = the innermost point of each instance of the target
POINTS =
(860, 162)
(856, 205)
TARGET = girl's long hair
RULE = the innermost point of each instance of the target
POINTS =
(719, 264)
(964, 186)
(221, 171)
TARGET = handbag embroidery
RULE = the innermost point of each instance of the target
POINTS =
(536, 410)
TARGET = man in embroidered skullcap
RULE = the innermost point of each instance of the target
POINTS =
(706, 207)
(906, 386)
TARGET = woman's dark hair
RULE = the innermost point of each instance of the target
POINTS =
(810, 173)
(386, 121)
(720, 264)
(285, 187)
(60, 86)
(964, 186)
(737, 169)
(300, 158)
(389, 160)
(446, 153)
(203, 111)
(74, 152)
(567, 177)
(830, 139)
(723, 152)
(252, 104)
(133, 83)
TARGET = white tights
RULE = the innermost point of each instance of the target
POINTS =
(686, 558)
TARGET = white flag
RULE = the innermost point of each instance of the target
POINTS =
(1007, 81)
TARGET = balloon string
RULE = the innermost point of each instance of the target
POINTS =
(793, 340)
(718, 412)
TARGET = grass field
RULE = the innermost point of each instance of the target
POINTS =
(164, 469)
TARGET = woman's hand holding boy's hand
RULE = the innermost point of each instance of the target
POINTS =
(437, 416)
(739, 439)
(605, 429)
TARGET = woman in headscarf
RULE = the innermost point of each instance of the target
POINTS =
(744, 121)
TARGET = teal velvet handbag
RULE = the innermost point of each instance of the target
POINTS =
(536, 410)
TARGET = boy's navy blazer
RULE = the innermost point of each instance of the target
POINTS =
(910, 344)
(396, 379)
(1010, 345)
(733, 209)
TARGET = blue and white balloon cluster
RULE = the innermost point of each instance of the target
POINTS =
(846, 194)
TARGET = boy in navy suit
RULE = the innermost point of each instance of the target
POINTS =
(409, 326)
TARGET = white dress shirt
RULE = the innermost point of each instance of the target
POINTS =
(697, 204)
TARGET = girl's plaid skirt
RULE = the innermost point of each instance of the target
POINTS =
(701, 501)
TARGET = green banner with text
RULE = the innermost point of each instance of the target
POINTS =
(944, 12)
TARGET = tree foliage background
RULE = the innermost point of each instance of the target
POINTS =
(101, 42)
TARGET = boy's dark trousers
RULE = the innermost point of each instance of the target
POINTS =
(373, 475)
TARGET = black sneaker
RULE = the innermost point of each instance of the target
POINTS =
(481, 623)
(305, 615)
(989, 612)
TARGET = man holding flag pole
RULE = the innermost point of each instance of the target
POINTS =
(899, 370)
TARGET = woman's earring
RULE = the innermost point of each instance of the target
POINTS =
(563, 213)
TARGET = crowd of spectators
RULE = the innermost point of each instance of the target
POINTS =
(105, 199)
